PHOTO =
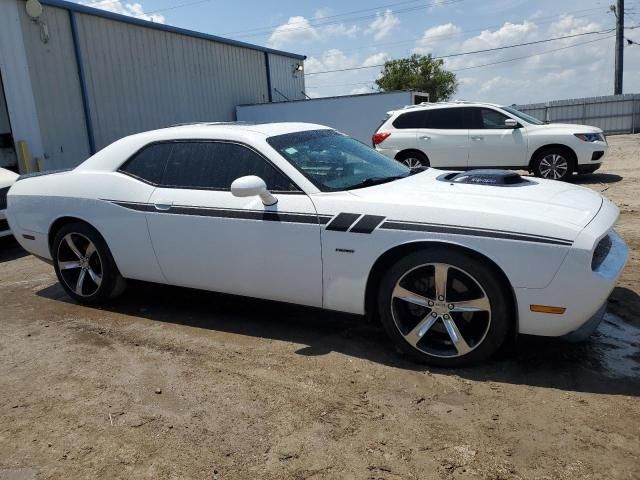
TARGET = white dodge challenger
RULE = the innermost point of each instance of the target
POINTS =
(452, 264)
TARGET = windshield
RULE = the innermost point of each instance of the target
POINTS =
(332, 161)
(523, 116)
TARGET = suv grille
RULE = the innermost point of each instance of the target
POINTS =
(601, 252)
(3, 197)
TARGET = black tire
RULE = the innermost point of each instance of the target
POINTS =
(413, 159)
(554, 163)
(490, 329)
(102, 280)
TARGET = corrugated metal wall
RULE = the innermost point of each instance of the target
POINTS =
(56, 89)
(613, 113)
(284, 80)
(139, 78)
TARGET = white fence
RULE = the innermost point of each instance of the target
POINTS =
(613, 114)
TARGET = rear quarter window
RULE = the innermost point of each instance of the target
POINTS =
(410, 120)
(149, 163)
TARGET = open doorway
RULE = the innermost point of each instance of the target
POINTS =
(8, 157)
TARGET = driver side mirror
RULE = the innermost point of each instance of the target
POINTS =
(511, 123)
(251, 186)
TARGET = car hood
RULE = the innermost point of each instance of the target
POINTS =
(570, 127)
(7, 177)
(539, 207)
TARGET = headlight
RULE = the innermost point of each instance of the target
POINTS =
(590, 137)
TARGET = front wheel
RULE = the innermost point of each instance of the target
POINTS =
(84, 265)
(553, 164)
(444, 307)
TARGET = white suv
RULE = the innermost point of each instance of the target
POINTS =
(462, 135)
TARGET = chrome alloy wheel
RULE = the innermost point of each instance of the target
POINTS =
(553, 166)
(413, 163)
(441, 310)
(79, 264)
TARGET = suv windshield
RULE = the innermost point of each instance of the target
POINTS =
(523, 116)
(333, 161)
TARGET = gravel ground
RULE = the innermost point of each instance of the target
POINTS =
(176, 383)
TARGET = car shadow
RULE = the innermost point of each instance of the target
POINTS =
(599, 365)
(10, 249)
(591, 178)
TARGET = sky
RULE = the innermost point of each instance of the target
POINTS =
(361, 35)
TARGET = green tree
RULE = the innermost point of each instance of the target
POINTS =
(419, 72)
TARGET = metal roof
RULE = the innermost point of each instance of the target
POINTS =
(159, 26)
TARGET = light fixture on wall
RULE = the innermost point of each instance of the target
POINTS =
(34, 10)
(298, 68)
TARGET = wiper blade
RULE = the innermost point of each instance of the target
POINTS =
(370, 182)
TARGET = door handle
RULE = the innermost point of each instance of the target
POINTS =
(477, 138)
(163, 205)
(425, 137)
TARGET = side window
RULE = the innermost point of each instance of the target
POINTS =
(446, 119)
(492, 118)
(149, 163)
(410, 120)
(215, 165)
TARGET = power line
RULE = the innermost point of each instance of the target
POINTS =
(545, 52)
(504, 47)
(544, 21)
(352, 20)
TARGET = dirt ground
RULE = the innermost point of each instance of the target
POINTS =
(174, 383)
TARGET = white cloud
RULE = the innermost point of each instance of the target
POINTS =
(129, 9)
(375, 59)
(434, 36)
(382, 25)
(297, 29)
(300, 30)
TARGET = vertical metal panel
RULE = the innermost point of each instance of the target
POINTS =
(284, 80)
(16, 78)
(56, 89)
(140, 78)
(613, 113)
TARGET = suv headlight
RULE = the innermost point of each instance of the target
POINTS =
(590, 137)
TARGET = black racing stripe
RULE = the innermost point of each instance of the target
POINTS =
(324, 219)
(367, 224)
(393, 225)
(343, 221)
(286, 217)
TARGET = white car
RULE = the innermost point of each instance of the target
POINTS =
(7, 178)
(463, 135)
(452, 264)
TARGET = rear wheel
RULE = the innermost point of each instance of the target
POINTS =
(416, 161)
(553, 164)
(444, 307)
(84, 265)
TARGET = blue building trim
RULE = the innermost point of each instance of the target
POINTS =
(268, 68)
(75, 7)
(83, 85)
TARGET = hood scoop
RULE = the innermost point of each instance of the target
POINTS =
(487, 177)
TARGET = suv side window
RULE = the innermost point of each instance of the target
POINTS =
(447, 119)
(489, 118)
(149, 163)
(410, 120)
(215, 165)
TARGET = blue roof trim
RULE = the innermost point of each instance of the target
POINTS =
(76, 7)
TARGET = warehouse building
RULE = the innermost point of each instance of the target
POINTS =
(75, 78)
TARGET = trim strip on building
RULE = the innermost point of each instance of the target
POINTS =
(268, 68)
(83, 85)
(75, 7)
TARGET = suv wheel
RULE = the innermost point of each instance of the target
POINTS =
(416, 161)
(553, 164)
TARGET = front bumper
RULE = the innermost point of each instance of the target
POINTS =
(576, 286)
(590, 153)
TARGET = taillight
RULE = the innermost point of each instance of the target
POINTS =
(379, 137)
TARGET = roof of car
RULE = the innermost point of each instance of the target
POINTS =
(433, 105)
(265, 128)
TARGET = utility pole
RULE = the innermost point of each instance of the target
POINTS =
(619, 11)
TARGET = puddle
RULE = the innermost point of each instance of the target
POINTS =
(617, 344)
